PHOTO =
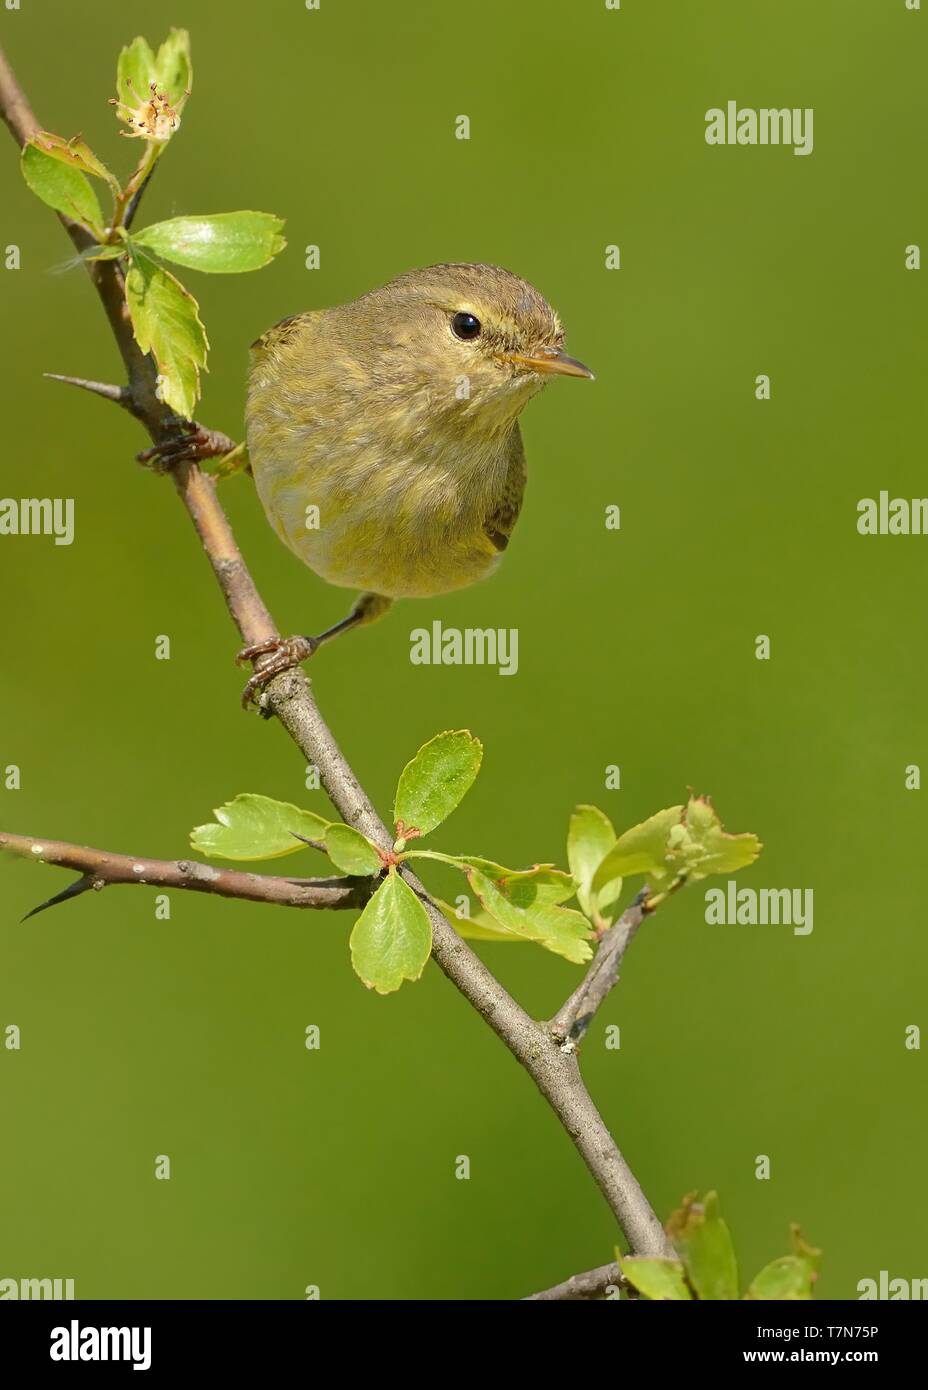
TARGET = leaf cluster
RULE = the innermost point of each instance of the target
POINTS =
(392, 937)
(151, 90)
(707, 1267)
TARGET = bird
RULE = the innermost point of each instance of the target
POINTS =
(383, 436)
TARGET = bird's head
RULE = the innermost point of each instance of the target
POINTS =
(476, 339)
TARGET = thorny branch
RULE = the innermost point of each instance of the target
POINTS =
(99, 868)
(553, 1068)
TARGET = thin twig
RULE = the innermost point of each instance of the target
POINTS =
(575, 1015)
(102, 868)
(592, 1284)
(133, 204)
(288, 696)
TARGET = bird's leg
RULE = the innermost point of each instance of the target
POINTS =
(287, 652)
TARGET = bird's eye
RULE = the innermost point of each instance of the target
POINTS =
(465, 326)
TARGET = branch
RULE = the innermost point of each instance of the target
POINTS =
(99, 868)
(574, 1017)
(288, 696)
(590, 1285)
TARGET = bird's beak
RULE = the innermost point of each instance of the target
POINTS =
(550, 361)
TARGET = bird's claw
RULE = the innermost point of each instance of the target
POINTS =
(192, 444)
(283, 653)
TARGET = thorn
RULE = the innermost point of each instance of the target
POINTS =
(314, 844)
(73, 890)
(120, 394)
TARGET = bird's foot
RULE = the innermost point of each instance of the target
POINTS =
(193, 443)
(283, 652)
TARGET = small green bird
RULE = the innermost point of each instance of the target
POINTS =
(384, 440)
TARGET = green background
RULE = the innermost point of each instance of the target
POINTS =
(185, 1037)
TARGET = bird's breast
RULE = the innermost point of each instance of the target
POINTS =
(401, 517)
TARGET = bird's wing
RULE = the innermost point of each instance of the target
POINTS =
(283, 332)
(501, 520)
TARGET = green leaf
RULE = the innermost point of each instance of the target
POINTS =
(62, 187)
(792, 1276)
(478, 926)
(542, 883)
(590, 837)
(521, 910)
(656, 1278)
(436, 780)
(256, 827)
(392, 938)
(704, 1241)
(223, 243)
(174, 66)
(135, 72)
(166, 323)
(75, 154)
(704, 848)
(226, 465)
(351, 851)
(640, 850)
(681, 842)
(783, 1280)
(171, 71)
(524, 888)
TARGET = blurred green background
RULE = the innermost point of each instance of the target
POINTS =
(186, 1037)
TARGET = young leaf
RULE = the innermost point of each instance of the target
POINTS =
(76, 154)
(392, 938)
(478, 926)
(681, 842)
(704, 1241)
(640, 850)
(225, 465)
(782, 1280)
(225, 242)
(556, 928)
(62, 186)
(436, 780)
(166, 323)
(542, 883)
(656, 1278)
(135, 72)
(171, 71)
(708, 849)
(351, 851)
(590, 837)
(174, 66)
(256, 827)
(792, 1276)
